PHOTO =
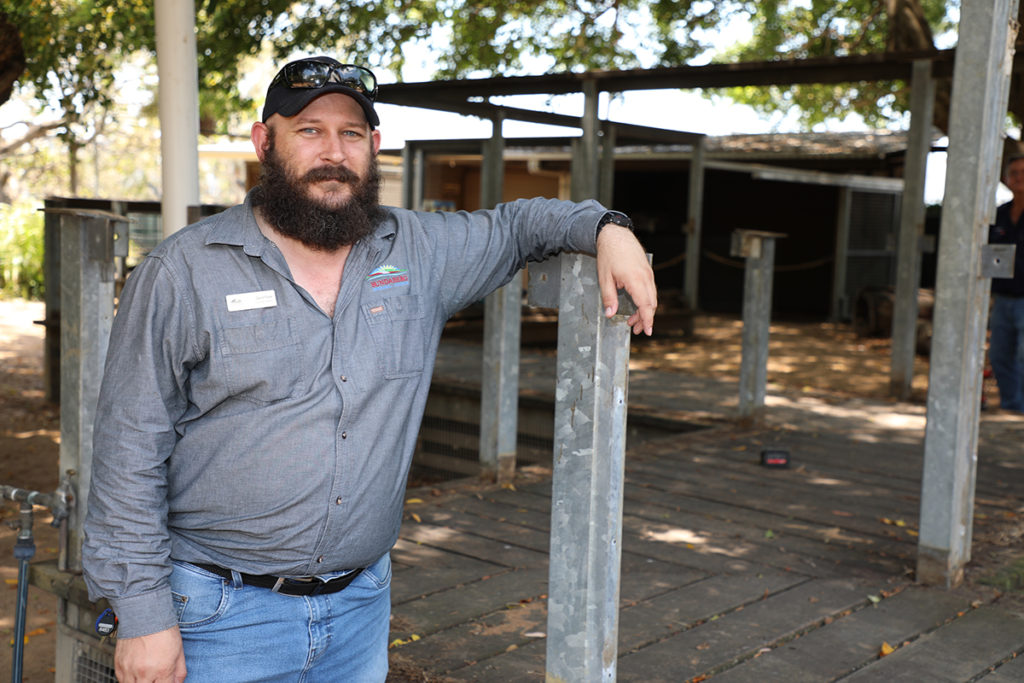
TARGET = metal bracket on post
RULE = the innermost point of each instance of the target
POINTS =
(758, 248)
(588, 469)
(997, 260)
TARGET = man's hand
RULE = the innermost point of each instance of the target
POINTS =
(622, 264)
(156, 658)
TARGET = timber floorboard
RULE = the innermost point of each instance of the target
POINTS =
(730, 570)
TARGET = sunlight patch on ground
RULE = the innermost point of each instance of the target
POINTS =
(826, 481)
(885, 416)
(676, 535)
(691, 540)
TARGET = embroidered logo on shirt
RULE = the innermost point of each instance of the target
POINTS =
(388, 276)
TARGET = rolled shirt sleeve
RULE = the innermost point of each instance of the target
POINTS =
(143, 396)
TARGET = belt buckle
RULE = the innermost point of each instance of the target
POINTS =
(296, 582)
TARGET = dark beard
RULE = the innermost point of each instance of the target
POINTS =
(284, 203)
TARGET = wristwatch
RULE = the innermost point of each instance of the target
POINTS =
(616, 218)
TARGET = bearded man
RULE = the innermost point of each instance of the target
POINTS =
(267, 374)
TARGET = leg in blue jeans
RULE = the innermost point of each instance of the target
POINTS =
(245, 634)
(1006, 350)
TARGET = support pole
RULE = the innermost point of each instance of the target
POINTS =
(908, 271)
(587, 480)
(178, 73)
(499, 400)
(978, 112)
(694, 214)
(89, 242)
(844, 205)
(758, 248)
(585, 165)
(51, 275)
(606, 194)
(589, 451)
(413, 176)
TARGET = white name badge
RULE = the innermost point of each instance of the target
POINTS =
(250, 300)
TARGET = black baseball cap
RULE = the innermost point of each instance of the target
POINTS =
(300, 82)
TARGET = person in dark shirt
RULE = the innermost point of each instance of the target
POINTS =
(1006, 343)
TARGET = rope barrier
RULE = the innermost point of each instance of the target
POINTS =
(678, 258)
(807, 265)
(733, 263)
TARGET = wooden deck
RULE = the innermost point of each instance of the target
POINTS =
(730, 570)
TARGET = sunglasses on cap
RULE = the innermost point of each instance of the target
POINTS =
(311, 74)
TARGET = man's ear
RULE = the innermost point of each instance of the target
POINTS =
(375, 134)
(260, 136)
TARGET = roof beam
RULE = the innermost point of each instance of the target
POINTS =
(870, 67)
(486, 110)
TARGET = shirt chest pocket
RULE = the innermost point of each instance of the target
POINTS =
(396, 327)
(262, 362)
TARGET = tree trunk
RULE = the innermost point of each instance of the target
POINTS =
(72, 168)
(909, 31)
(12, 57)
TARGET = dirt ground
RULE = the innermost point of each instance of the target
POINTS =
(29, 444)
(823, 358)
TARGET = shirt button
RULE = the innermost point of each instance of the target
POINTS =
(344, 435)
(344, 378)
(337, 501)
(320, 559)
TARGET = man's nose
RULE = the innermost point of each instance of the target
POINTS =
(333, 150)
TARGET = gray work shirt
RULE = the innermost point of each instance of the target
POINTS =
(240, 425)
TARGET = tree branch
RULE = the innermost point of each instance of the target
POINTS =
(35, 130)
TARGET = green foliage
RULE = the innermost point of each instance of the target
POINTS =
(75, 46)
(21, 251)
(788, 29)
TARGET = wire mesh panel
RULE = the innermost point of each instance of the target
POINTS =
(871, 253)
(93, 665)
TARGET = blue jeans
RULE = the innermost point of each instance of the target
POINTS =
(245, 634)
(1006, 350)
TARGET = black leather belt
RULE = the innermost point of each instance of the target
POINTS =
(287, 586)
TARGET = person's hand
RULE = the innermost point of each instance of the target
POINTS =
(622, 264)
(156, 658)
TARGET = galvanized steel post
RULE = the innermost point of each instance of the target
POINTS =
(587, 481)
(978, 112)
(694, 213)
(844, 205)
(413, 171)
(758, 248)
(589, 451)
(606, 193)
(908, 271)
(499, 399)
(90, 243)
